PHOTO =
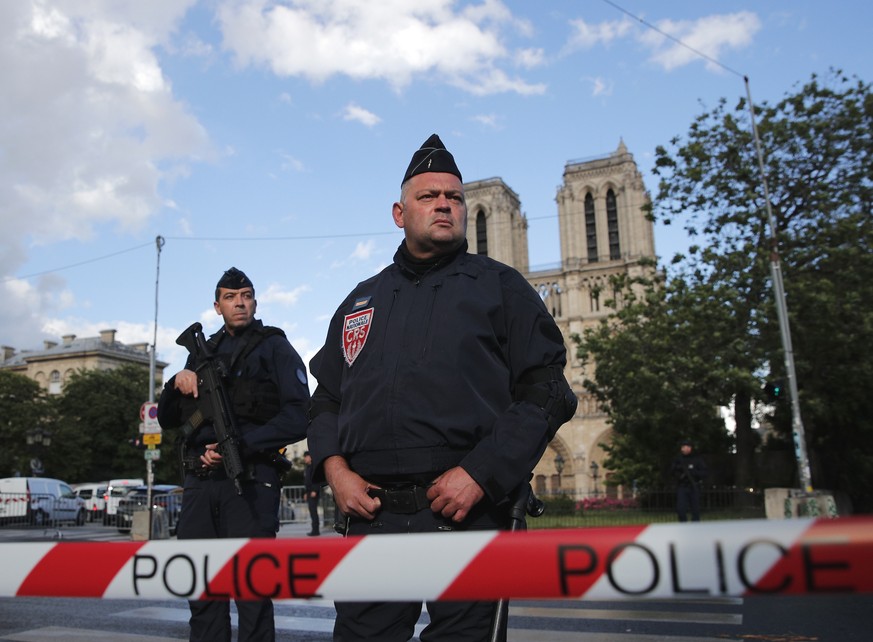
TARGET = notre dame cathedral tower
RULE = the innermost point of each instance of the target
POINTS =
(603, 231)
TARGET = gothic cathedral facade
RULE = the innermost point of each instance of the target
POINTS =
(603, 231)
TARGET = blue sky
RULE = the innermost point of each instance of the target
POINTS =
(273, 135)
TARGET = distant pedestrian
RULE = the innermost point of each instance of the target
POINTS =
(312, 494)
(689, 470)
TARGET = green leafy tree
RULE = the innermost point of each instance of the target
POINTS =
(657, 377)
(713, 321)
(23, 407)
(98, 417)
(818, 145)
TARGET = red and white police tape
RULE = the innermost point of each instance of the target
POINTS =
(737, 558)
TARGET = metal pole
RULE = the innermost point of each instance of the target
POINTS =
(159, 243)
(782, 313)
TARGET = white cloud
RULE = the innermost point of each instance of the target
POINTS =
(275, 293)
(586, 36)
(356, 113)
(89, 131)
(290, 163)
(489, 120)
(600, 87)
(364, 250)
(89, 126)
(530, 58)
(390, 40)
(711, 35)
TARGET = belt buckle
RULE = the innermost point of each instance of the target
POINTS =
(401, 501)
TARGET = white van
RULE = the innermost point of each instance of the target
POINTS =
(93, 494)
(40, 501)
(115, 490)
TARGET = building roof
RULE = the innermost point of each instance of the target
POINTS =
(71, 347)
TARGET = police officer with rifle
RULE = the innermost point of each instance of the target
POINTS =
(241, 398)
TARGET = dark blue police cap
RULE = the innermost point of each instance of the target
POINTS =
(432, 156)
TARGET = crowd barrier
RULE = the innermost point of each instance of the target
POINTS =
(36, 509)
(703, 560)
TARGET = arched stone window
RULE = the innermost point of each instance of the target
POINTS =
(612, 226)
(590, 228)
(54, 383)
(481, 234)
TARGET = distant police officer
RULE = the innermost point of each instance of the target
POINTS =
(270, 399)
(440, 386)
(688, 470)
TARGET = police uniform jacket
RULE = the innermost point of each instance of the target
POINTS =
(688, 469)
(268, 391)
(420, 373)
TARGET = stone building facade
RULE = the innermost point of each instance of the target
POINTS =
(603, 231)
(52, 366)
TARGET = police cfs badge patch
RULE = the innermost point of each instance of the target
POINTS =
(356, 329)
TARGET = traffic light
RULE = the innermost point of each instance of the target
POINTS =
(774, 390)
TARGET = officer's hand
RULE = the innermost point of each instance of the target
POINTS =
(454, 493)
(186, 382)
(350, 489)
(211, 458)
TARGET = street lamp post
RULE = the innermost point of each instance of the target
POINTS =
(595, 469)
(37, 438)
(559, 466)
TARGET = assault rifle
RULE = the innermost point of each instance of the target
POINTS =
(524, 501)
(212, 401)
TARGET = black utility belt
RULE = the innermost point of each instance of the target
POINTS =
(403, 501)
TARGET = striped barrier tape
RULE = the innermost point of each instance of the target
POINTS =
(738, 558)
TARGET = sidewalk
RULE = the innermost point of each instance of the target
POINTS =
(300, 529)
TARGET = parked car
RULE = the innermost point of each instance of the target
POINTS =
(166, 496)
(40, 501)
(93, 494)
(115, 490)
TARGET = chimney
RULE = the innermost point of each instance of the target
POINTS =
(8, 352)
(107, 336)
(48, 345)
(68, 339)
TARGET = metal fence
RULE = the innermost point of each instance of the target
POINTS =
(563, 510)
(294, 509)
(566, 510)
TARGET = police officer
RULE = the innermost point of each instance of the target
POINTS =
(689, 470)
(440, 385)
(268, 390)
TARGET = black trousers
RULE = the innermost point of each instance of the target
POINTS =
(313, 511)
(395, 621)
(211, 508)
(688, 496)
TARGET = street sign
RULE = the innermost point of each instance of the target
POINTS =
(152, 454)
(149, 415)
(151, 438)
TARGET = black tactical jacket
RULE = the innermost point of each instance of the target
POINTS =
(420, 373)
(267, 386)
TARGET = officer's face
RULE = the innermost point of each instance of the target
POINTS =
(237, 307)
(432, 213)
